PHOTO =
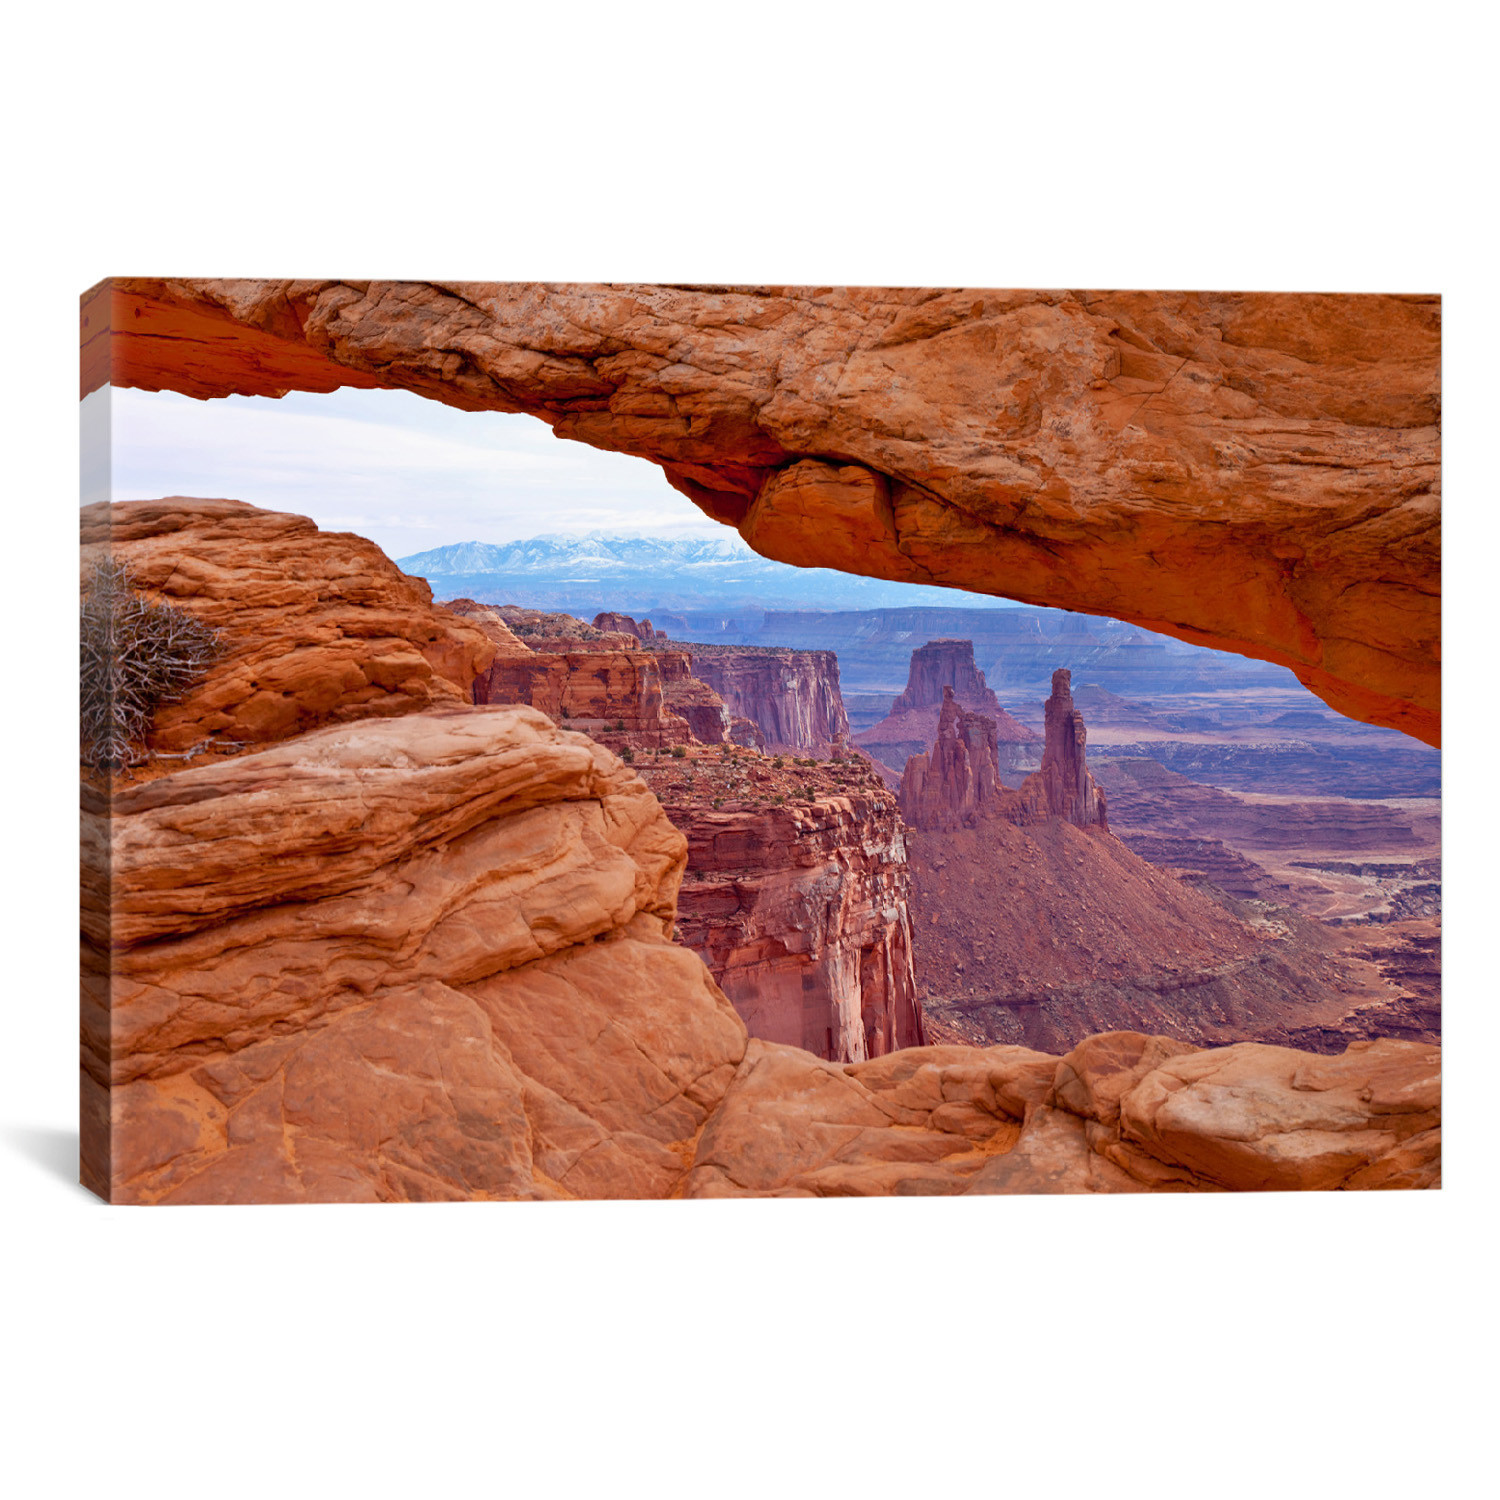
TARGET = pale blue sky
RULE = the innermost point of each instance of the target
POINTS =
(405, 471)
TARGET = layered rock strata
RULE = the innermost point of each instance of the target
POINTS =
(792, 697)
(958, 782)
(1253, 472)
(316, 627)
(621, 697)
(795, 896)
(940, 669)
(599, 679)
(693, 700)
(1146, 798)
(424, 957)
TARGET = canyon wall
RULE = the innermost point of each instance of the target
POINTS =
(795, 896)
(589, 679)
(1257, 472)
(791, 696)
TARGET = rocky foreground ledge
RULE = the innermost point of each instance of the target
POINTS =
(431, 957)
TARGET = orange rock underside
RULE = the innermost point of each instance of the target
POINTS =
(1253, 472)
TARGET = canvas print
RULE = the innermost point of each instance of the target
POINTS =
(548, 742)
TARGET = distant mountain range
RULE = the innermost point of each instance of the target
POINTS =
(634, 572)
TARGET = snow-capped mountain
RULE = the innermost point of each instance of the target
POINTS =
(596, 555)
(620, 570)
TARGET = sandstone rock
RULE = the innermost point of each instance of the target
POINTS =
(609, 620)
(947, 664)
(792, 696)
(596, 677)
(492, 623)
(959, 782)
(792, 1125)
(940, 669)
(799, 908)
(746, 733)
(1269, 1118)
(693, 700)
(1071, 792)
(407, 958)
(1158, 457)
(615, 696)
(948, 1120)
(318, 627)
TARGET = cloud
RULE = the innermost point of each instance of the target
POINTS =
(406, 472)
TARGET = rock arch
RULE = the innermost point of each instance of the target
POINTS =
(1254, 472)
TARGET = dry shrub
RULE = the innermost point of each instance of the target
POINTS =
(135, 655)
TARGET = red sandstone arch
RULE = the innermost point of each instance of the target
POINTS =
(1254, 472)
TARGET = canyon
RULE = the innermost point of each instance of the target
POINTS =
(1256, 472)
(1033, 924)
(427, 951)
(355, 930)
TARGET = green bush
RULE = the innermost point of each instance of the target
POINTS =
(679, 752)
(627, 755)
(134, 656)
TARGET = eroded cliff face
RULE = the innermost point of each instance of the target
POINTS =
(1254, 472)
(957, 782)
(795, 895)
(792, 697)
(693, 700)
(939, 670)
(591, 680)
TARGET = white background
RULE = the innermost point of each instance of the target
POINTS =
(1302, 1346)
